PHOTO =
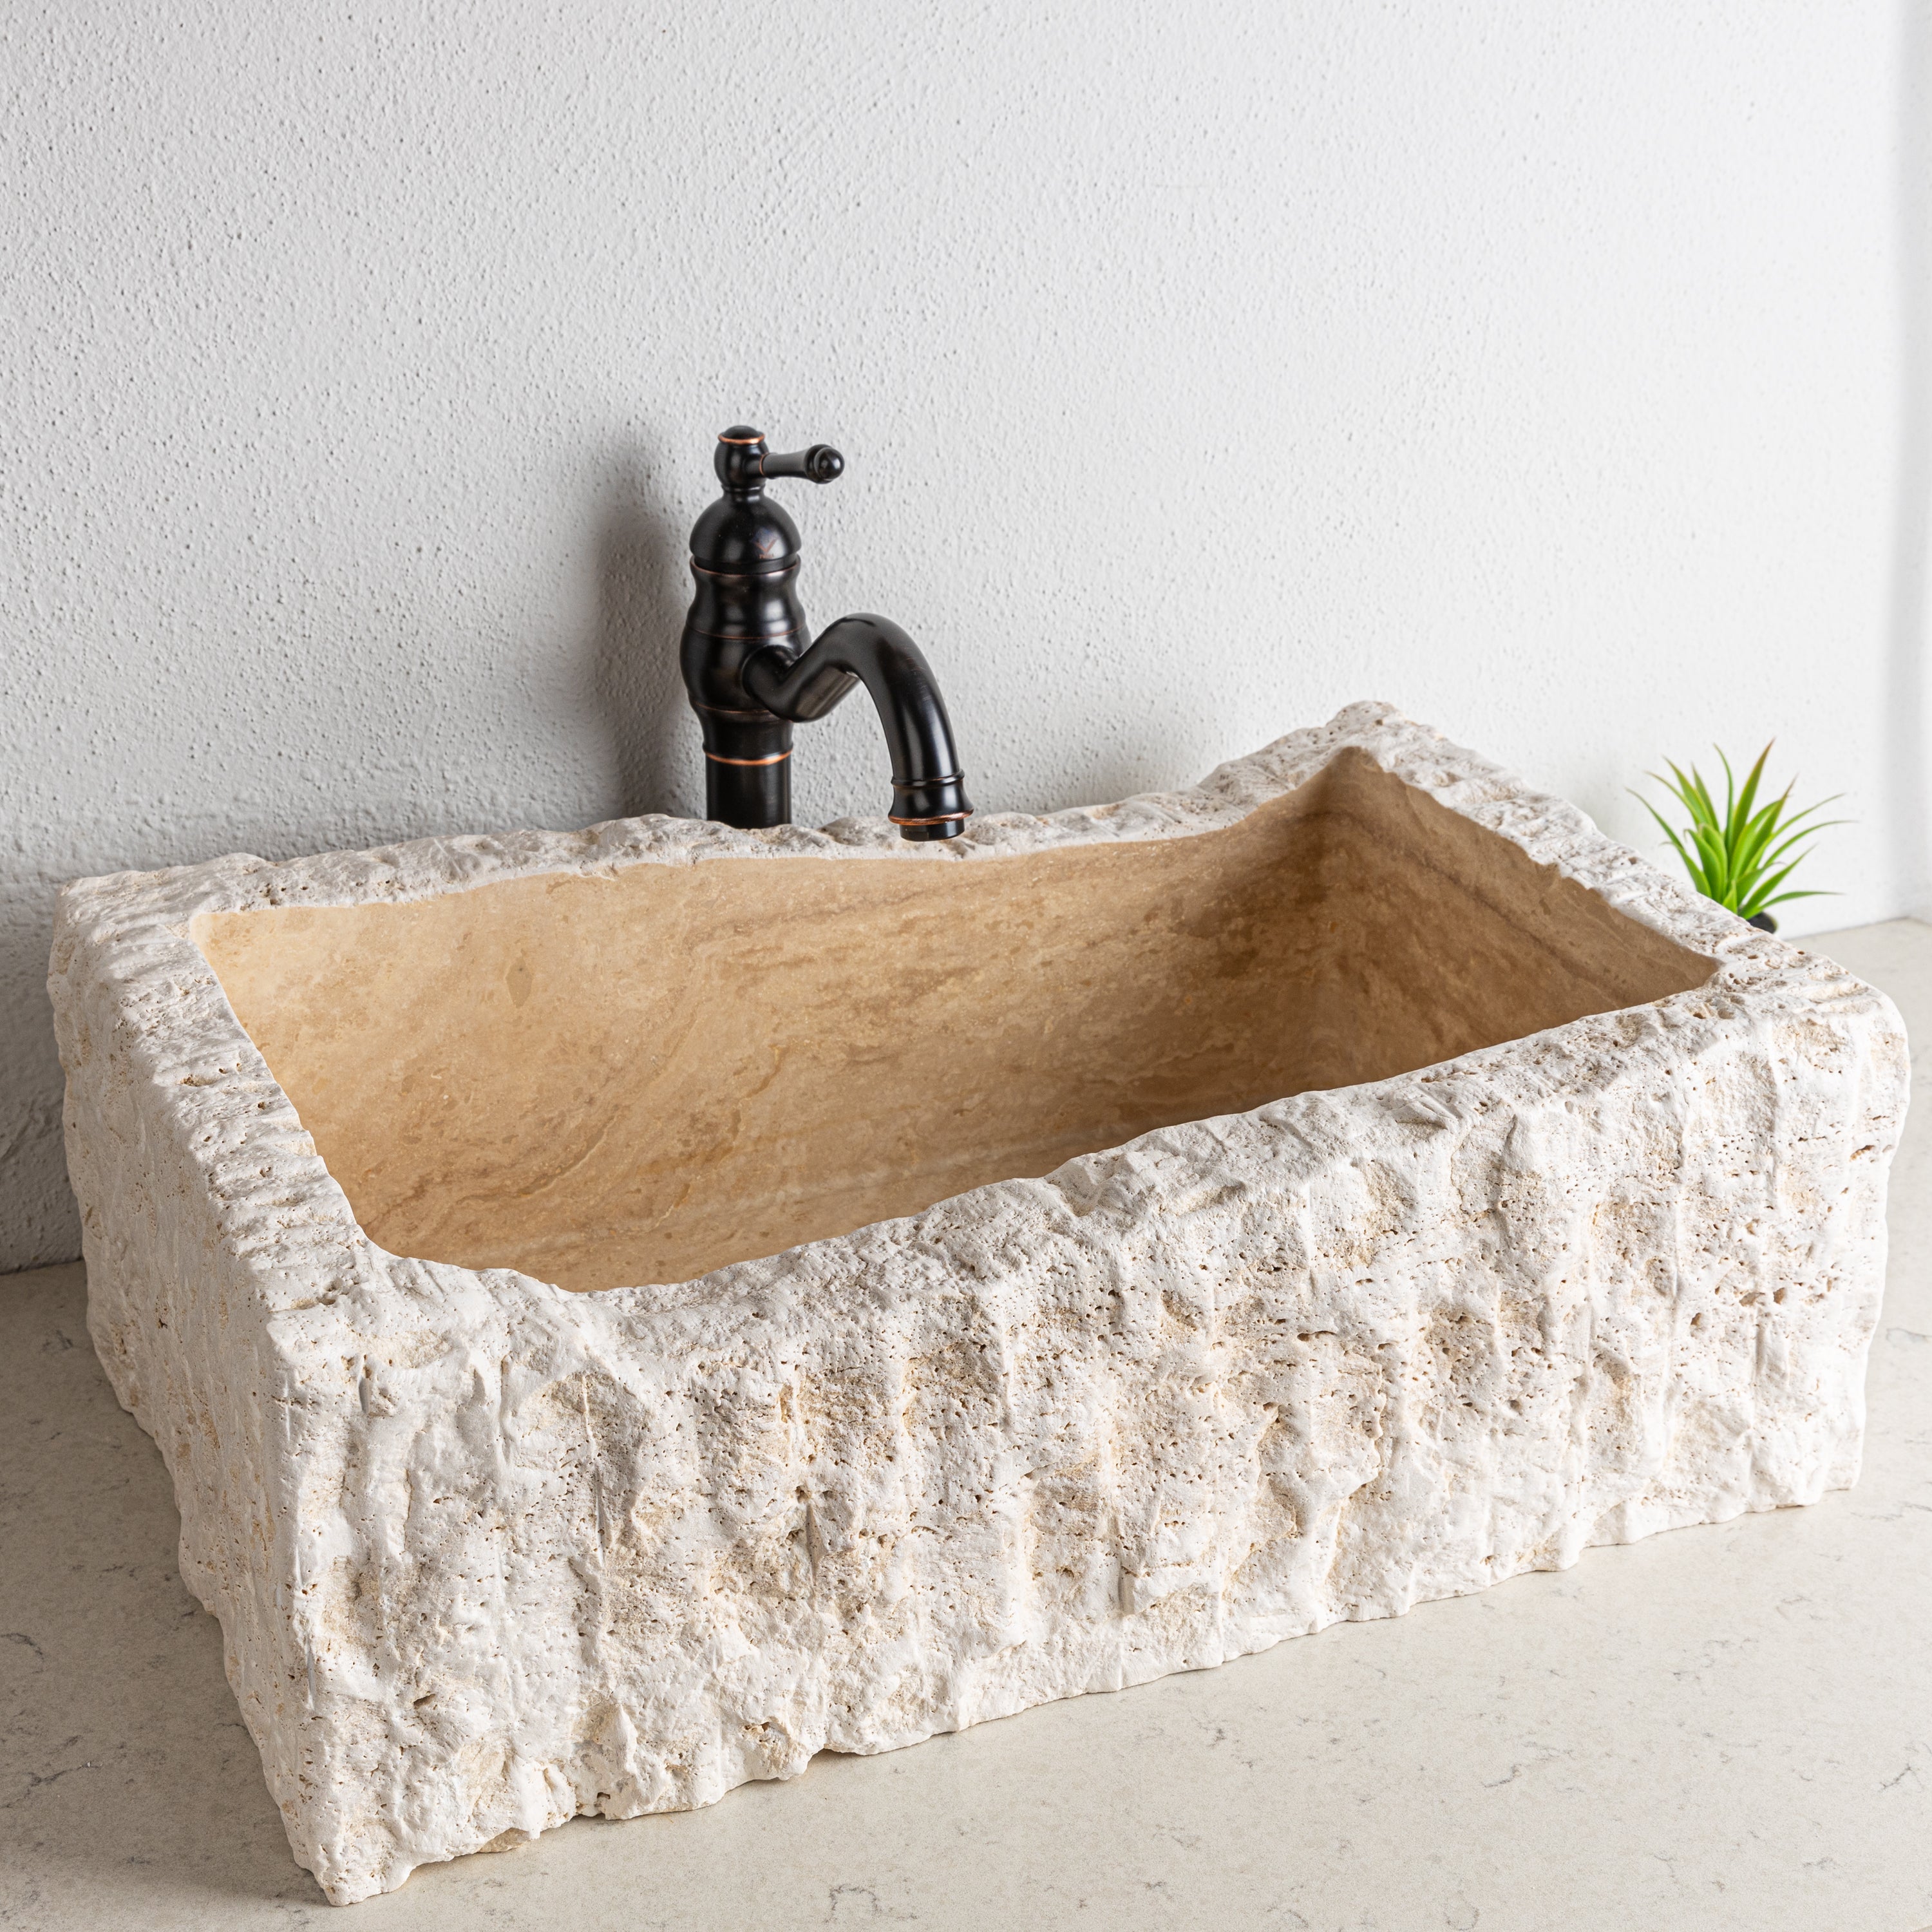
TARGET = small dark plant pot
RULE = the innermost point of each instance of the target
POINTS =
(1763, 922)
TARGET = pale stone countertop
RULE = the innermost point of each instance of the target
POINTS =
(1724, 1727)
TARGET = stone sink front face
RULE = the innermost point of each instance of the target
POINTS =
(1102, 1246)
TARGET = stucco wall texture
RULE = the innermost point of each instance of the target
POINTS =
(1543, 371)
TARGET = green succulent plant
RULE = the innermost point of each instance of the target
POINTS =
(1740, 856)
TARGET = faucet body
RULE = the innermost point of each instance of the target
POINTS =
(750, 675)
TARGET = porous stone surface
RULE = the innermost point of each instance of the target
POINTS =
(488, 1554)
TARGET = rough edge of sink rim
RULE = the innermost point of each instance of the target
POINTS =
(147, 916)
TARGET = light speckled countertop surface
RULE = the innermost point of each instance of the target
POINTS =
(1725, 1727)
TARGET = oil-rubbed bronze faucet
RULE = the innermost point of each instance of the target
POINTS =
(751, 677)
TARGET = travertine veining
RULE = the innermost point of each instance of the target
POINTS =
(487, 1553)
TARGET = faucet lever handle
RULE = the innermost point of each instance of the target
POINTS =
(820, 463)
(744, 464)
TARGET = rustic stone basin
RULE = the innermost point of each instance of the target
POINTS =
(1101, 1245)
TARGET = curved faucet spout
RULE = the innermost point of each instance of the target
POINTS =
(928, 788)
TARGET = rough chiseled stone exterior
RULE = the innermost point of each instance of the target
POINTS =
(487, 1555)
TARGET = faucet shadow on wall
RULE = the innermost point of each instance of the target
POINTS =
(644, 583)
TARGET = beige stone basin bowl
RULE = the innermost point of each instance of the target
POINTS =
(627, 1310)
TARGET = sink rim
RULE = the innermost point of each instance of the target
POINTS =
(148, 920)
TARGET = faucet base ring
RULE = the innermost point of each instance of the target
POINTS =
(922, 831)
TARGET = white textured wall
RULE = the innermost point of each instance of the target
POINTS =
(1557, 372)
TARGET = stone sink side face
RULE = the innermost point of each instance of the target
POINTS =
(488, 1554)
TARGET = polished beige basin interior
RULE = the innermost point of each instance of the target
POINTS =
(639, 1076)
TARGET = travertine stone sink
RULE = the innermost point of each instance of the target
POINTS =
(1101, 1245)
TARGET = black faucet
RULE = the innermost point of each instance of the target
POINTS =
(751, 676)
